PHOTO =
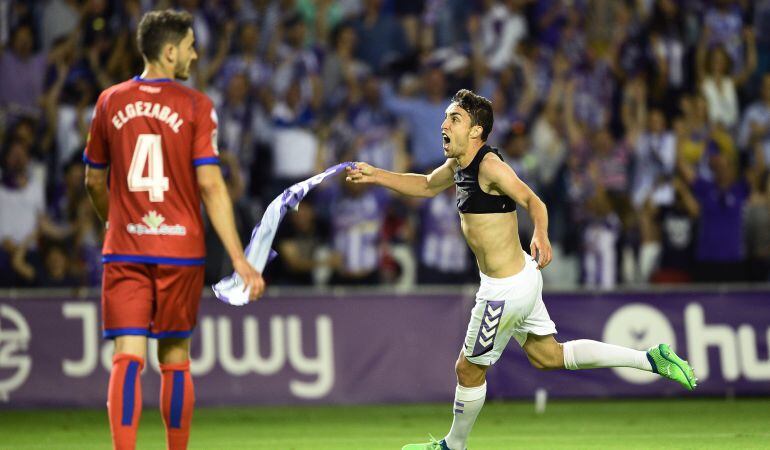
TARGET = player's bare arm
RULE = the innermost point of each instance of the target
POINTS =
(499, 176)
(96, 185)
(412, 184)
(220, 211)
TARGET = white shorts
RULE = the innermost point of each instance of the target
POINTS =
(506, 307)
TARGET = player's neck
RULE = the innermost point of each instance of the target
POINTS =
(155, 71)
(467, 157)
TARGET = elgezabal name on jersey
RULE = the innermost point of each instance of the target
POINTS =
(147, 109)
(161, 230)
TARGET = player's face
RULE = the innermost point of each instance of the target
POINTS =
(186, 54)
(455, 131)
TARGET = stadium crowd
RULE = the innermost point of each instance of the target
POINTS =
(644, 125)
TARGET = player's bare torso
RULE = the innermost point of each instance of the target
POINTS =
(493, 238)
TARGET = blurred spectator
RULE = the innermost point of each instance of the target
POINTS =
(693, 134)
(59, 18)
(757, 227)
(761, 23)
(654, 162)
(443, 255)
(320, 17)
(381, 38)
(245, 60)
(550, 17)
(21, 95)
(341, 70)
(654, 167)
(599, 180)
(506, 114)
(723, 26)
(675, 229)
(595, 87)
(422, 116)
(22, 191)
(356, 215)
(379, 141)
(628, 50)
(299, 242)
(502, 26)
(72, 221)
(54, 268)
(517, 153)
(719, 81)
(297, 63)
(719, 246)
(296, 152)
(755, 125)
(668, 48)
(549, 147)
(236, 115)
(601, 231)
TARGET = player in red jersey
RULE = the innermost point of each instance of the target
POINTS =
(156, 141)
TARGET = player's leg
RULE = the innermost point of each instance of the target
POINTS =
(484, 342)
(126, 309)
(177, 395)
(535, 334)
(501, 306)
(470, 393)
(545, 353)
(124, 394)
(178, 291)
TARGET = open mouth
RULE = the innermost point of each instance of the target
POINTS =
(445, 139)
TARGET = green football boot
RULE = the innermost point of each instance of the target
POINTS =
(432, 445)
(667, 364)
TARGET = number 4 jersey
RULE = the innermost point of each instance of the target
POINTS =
(152, 134)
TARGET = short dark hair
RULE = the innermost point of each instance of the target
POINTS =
(158, 28)
(479, 108)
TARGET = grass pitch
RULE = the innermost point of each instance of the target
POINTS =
(615, 424)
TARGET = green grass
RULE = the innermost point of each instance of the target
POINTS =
(621, 424)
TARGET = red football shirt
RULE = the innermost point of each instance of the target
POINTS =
(152, 134)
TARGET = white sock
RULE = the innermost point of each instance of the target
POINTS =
(468, 403)
(587, 354)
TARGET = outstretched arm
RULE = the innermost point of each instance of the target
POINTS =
(412, 184)
(501, 177)
(220, 211)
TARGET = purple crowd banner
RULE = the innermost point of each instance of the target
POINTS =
(381, 348)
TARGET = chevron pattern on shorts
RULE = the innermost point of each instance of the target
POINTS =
(490, 321)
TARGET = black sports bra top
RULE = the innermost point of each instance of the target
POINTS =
(470, 197)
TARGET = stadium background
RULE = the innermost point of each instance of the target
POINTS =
(624, 116)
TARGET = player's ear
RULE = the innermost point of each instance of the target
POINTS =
(476, 131)
(170, 53)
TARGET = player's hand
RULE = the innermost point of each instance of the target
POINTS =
(361, 172)
(540, 249)
(251, 278)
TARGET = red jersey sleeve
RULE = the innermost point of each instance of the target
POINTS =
(97, 154)
(205, 149)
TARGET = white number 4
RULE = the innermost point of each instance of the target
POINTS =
(148, 148)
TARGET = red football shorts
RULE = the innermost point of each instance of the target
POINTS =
(154, 300)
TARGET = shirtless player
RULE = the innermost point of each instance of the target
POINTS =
(509, 301)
